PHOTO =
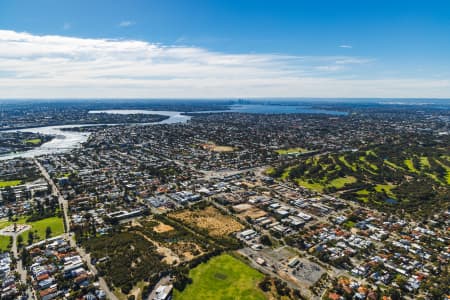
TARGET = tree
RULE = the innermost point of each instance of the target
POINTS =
(395, 294)
(19, 240)
(265, 240)
(48, 232)
(30, 237)
(146, 291)
(126, 288)
(26, 258)
(10, 214)
(265, 284)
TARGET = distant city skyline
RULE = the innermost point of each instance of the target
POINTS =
(224, 49)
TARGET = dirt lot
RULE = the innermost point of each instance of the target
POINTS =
(210, 219)
(253, 213)
(186, 250)
(216, 148)
(162, 228)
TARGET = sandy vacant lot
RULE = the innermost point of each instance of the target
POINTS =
(216, 148)
(253, 213)
(210, 219)
(248, 210)
(162, 228)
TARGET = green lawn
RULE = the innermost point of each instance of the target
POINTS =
(447, 168)
(387, 188)
(55, 223)
(223, 277)
(392, 165)
(365, 162)
(33, 141)
(346, 163)
(435, 178)
(373, 166)
(340, 182)
(4, 240)
(285, 174)
(4, 243)
(410, 165)
(317, 186)
(312, 186)
(270, 171)
(349, 224)
(7, 183)
(291, 151)
(371, 152)
(363, 192)
(5, 223)
(363, 195)
(424, 162)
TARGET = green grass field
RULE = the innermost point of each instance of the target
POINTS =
(410, 165)
(297, 150)
(7, 183)
(318, 186)
(346, 163)
(4, 240)
(349, 224)
(363, 195)
(387, 188)
(4, 243)
(363, 192)
(371, 152)
(447, 168)
(341, 181)
(223, 277)
(392, 165)
(424, 162)
(33, 141)
(270, 171)
(4, 222)
(365, 162)
(55, 223)
(312, 186)
(285, 174)
(376, 175)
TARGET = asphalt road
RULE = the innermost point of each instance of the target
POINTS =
(19, 267)
(64, 204)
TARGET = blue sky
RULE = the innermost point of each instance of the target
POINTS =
(200, 48)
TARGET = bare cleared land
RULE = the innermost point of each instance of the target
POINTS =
(209, 219)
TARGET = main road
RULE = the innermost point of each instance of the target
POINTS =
(65, 206)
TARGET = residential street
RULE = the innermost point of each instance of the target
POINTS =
(64, 204)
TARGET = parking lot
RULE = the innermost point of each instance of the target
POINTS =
(286, 263)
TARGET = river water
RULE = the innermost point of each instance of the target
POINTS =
(67, 140)
(276, 109)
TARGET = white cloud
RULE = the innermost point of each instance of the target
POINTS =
(329, 68)
(33, 66)
(345, 46)
(126, 23)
